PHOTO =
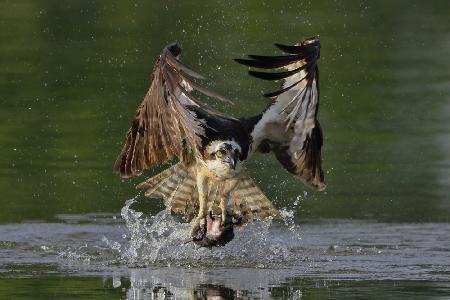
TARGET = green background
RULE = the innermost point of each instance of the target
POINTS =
(73, 72)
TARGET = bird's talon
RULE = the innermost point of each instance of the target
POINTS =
(236, 220)
(198, 227)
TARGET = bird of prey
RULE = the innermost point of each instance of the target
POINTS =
(208, 183)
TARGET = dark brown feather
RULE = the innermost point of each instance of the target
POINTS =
(300, 152)
(267, 62)
(305, 164)
(281, 91)
(164, 124)
(302, 48)
(308, 51)
(275, 75)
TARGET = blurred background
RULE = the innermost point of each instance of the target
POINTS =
(72, 74)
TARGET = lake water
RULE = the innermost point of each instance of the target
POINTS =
(137, 257)
(71, 76)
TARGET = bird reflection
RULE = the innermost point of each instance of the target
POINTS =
(180, 283)
(199, 292)
(212, 292)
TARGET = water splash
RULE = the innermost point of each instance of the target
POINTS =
(162, 240)
(334, 249)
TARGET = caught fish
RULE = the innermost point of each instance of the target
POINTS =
(215, 232)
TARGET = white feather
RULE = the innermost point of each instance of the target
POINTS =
(290, 118)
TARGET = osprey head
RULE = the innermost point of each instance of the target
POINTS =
(223, 157)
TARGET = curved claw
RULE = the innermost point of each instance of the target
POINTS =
(237, 220)
(198, 229)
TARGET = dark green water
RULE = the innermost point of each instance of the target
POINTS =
(73, 72)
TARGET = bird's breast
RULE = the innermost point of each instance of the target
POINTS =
(220, 170)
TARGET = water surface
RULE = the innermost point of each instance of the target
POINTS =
(73, 72)
(147, 257)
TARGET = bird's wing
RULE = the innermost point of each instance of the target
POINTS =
(166, 124)
(178, 188)
(250, 202)
(289, 126)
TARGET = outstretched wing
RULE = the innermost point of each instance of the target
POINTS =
(166, 123)
(289, 127)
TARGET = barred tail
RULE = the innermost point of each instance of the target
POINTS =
(251, 202)
(177, 187)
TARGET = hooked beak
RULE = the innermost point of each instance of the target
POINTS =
(234, 159)
(231, 159)
(233, 163)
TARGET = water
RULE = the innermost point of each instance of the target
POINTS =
(71, 76)
(138, 257)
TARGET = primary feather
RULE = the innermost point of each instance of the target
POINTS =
(165, 122)
(171, 123)
(289, 127)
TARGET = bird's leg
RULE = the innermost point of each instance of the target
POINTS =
(229, 186)
(224, 207)
(202, 187)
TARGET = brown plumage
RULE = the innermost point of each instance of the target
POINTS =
(164, 126)
(212, 148)
(177, 186)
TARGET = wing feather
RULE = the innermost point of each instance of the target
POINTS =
(289, 127)
(251, 202)
(164, 123)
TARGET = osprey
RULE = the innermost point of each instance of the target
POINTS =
(209, 183)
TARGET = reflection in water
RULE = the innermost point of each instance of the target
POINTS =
(268, 284)
(338, 249)
(335, 250)
(143, 257)
(207, 283)
(213, 292)
(72, 74)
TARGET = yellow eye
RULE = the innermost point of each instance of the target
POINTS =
(220, 153)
